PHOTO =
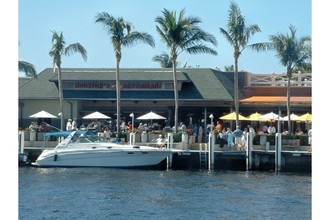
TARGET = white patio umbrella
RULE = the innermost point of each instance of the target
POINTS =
(96, 115)
(150, 116)
(42, 114)
(293, 117)
(270, 116)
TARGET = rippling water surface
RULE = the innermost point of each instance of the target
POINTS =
(100, 193)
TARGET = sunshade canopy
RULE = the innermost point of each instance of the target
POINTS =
(270, 116)
(42, 114)
(293, 117)
(150, 116)
(254, 116)
(96, 115)
(304, 117)
(232, 116)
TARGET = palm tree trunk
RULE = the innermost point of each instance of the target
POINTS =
(288, 95)
(236, 89)
(60, 93)
(118, 95)
(176, 96)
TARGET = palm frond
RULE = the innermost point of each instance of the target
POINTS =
(227, 36)
(76, 48)
(265, 46)
(135, 37)
(28, 68)
(164, 60)
(199, 49)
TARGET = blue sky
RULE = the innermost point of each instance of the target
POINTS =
(76, 19)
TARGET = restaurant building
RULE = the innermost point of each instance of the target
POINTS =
(202, 92)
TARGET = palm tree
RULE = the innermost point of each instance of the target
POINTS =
(28, 68)
(238, 35)
(164, 60)
(58, 49)
(229, 68)
(121, 34)
(292, 53)
(182, 34)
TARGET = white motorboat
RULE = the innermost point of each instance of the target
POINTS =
(85, 149)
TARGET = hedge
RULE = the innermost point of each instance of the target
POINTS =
(271, 139)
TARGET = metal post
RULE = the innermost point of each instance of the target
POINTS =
(278, 151)
(211, 144)
(211, 151)
(132, 137)
(21, 145)
(279, 121)
(205, 125)
(169, 146)
(249, 142)
(21, 156)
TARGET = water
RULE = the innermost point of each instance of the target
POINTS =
(100, 193)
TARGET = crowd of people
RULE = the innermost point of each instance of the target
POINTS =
(238, 138)
(233, 139)
(42, 127)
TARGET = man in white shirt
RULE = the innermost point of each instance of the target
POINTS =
(69, 125)
(271, 129)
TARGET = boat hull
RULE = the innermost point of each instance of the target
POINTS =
(101, 158)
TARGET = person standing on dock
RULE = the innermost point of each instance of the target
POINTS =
(69, 125)
(271, 129)
(33, 126)
(230, 138)
(218, 128)
(107, 133)
(222, 136)
(244, 138)
(238, 137)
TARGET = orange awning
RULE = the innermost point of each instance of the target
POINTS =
(276, 99)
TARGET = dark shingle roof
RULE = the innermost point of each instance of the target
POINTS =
(125, 74)
(208, 84)
(40, 88)
(200, 84)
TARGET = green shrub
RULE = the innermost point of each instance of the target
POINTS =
(177, 137)
(271, 139)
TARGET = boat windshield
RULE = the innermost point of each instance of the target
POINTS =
(88, 137)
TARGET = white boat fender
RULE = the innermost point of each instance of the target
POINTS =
(55, 157)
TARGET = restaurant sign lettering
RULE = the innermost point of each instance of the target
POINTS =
(112, 85)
